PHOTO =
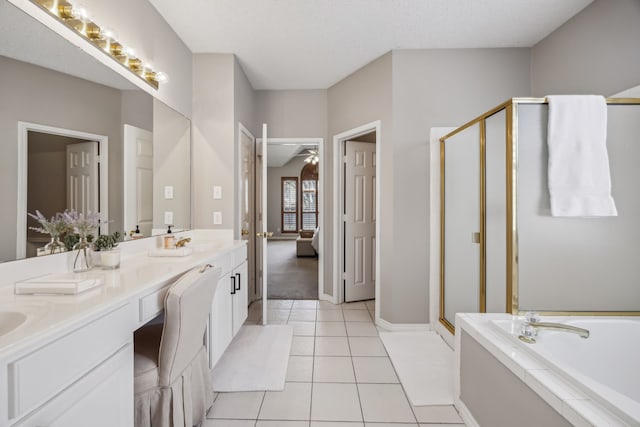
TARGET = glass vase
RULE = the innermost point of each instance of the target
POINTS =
(82, 255)
(55, 246)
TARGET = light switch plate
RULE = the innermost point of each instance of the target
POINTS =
(217, 218)
(168, 192)
(168, 218)
(217, 192)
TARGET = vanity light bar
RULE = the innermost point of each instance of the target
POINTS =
(78, 19)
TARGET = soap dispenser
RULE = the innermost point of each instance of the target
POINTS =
(169, 239)
(136, 234)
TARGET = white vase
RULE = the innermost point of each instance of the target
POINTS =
(110, 259)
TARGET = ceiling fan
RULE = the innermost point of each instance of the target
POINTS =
(311, 156)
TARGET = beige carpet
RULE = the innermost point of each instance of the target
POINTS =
(290, 277)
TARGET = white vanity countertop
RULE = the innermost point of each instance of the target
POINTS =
(50, 316)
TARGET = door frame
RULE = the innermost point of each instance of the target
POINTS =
(23, 136)
(321, 190)
(338, 208)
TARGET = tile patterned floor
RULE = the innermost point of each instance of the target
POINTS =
(339, 375)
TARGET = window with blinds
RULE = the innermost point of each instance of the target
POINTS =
(289, 213)
(309, 196)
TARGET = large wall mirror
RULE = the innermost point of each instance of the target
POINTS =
(58, 103)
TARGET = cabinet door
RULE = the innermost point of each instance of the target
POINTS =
(221, 319)
(241, 297)
(102, 398)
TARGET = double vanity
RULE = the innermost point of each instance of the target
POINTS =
(67, 360)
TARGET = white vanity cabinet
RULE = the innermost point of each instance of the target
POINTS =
(84, 377)
(230, 303)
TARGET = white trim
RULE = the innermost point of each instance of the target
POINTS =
(465, 414)
(338, 140)
(403, 327)
(321, 185)
(23, 131)
(434, 233)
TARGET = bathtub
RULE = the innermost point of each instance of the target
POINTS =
(606, 366)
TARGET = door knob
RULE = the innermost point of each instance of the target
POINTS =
(265, 234)
(244, 232)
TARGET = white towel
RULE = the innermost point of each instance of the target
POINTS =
(579, 180)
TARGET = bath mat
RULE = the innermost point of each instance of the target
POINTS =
(424, 364)
(256, 360)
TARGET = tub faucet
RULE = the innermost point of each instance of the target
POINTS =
(180, 243)
(533, 324)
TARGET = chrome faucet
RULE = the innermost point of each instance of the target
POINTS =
(532, 325)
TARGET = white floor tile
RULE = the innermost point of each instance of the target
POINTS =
(244, 405)
(293, 403)
(332, 346)
(280, 304)
(228, 423)
(302, 346)
(437, 414)
(305, 304)
(302, 315)
(330, 329)
(326, 305)
(385, 403)
(330, 316)
(335, 424)
(307, 329)
(359, 305)
(277, 314)
(367, 346)
(361, 329)
(441, 425)
(300, 369)
(390, 425)
(280, 423)
(371, 304)
(356, 316)
(374, 370)
(335, 402)
(333, 370)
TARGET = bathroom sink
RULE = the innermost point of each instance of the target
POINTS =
(10, 320)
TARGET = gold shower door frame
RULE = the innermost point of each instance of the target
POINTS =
(511, 295)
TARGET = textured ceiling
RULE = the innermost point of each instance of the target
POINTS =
(312, 44)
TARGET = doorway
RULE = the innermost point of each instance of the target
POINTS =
(369, 251)
(45, 152)
(294, 200)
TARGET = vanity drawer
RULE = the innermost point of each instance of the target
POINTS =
(153, 304)
(40, 375)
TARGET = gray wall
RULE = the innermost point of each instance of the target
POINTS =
(213, 139)
(137, 109)
(596, 51)
(363, 97)
(37, 95)
(293, 113)
(431, 88)
(274, 202)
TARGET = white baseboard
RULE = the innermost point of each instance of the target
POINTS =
(465, 414)
(326, 297)
(404, 327)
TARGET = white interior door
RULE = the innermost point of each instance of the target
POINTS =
(360, 221)
(247, 204)
(82, 177)
(138, 179)
(263, 233)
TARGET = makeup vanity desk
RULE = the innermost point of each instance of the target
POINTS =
(70, 363)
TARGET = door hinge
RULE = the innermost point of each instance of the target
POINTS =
(344, 276)
(344, 217)
(98, 158)
(344, 159)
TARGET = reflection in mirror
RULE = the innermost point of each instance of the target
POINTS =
(461, 224)
(51, 90)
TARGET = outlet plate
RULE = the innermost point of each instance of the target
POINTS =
(168, 192)
(217, 218)
(168, 218)
(217, 192)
